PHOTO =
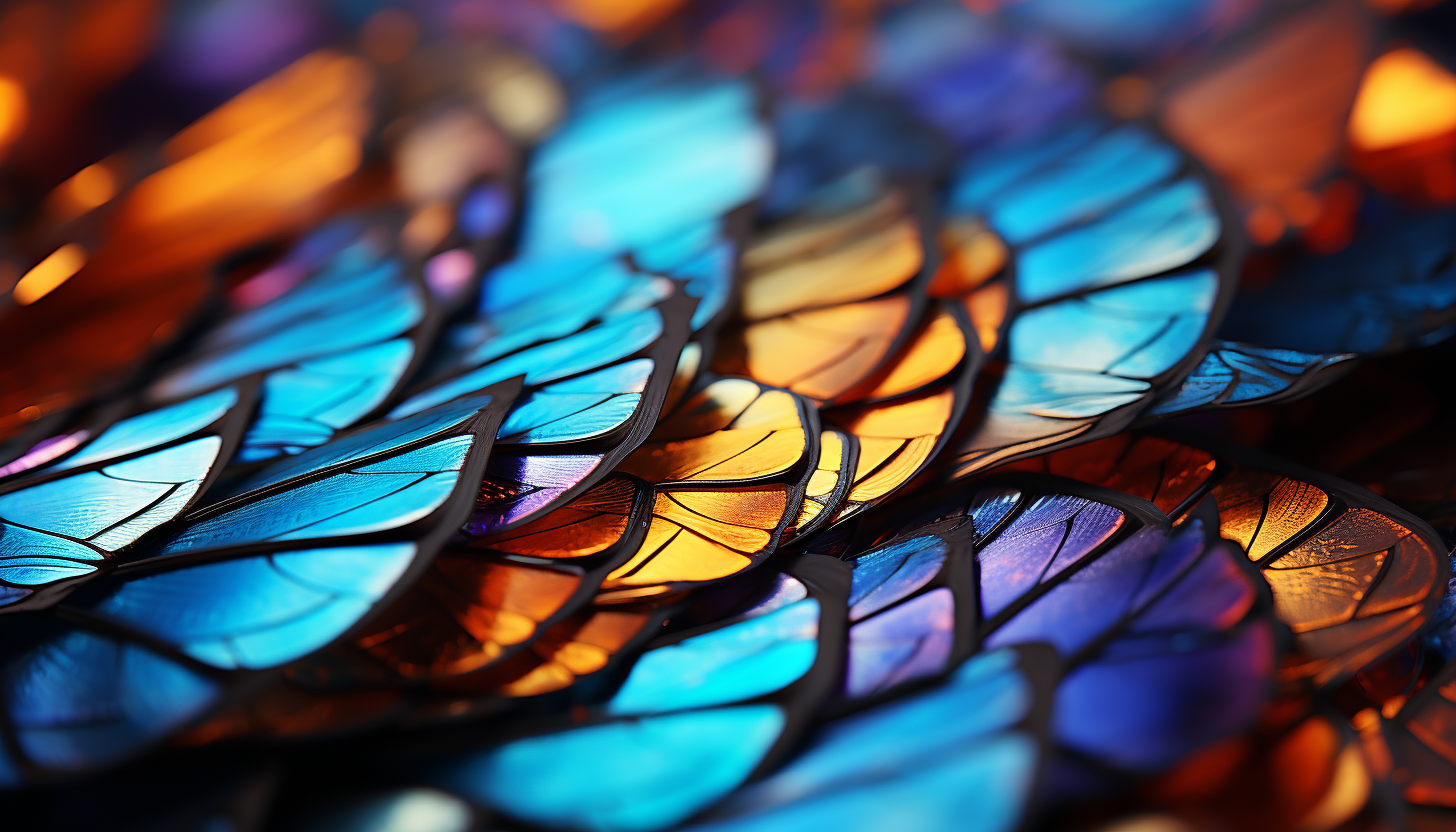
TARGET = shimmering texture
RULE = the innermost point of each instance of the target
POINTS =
(1077, 361)
(1049, 535)
(517, 487)
(376, 440)
(108, 509)
(896, 440)
(582, 408)
(1114, 166)
(586, 350)
(664, 769)
(946, 758)
(909, 641)
(1234, 374)
(463, 613)
(734, 663)
(362, 304)
(1262, 511)
(847, 344)
(154, 428)
(731, 430)
(1156, 633)
(697, 535)
(376, 496)
(528, 301)
(655, 156)
(885, 575)
(1159, 231)
(589, 524)
(817, 318)
(1165, 473)
(44, 451)
(1136, 331)
(307, 404)
(933, 353)
(260, 612)
(79, 701)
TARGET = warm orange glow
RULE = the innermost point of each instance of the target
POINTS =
(91, 187)
(1405, 97)
(14, 110)
(50, 273)
(617, 17)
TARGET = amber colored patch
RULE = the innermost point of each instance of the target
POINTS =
(987, 307)
(588, 525)
(1262, 511)
(860, 268)
(463, 614)
(1271, 118)
(703, 536)
(973, 254)
(820, 353)
(933, 353)
(732, 430)
(1161, 471)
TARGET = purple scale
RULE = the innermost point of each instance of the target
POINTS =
(1053, 533)
(44, 451)
(910, 641)
(518, 487)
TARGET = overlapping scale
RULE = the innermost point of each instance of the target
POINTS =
(1352, 576)
(1118, 274)
(1165, 645)
(727, 470)
(830, 293)
(695, 717)
(155, 645)
(68, 519)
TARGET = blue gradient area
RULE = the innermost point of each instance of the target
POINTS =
(305, 405)
(1137, 330)
(327, 314)
(652, 156)
(609, 341)
(730, 664)
(630, 775)
(376, 440)
(524, 302)
(484, 211)
(1393, 289)
(109, 508)
(154, 428)
(987, 174)
(581, 408)
(263, 611)
(81, 701)
(885, 575)
(1161, 231)
(1238, 373)
(378, 496)
(944, 759)
(1117, 165)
